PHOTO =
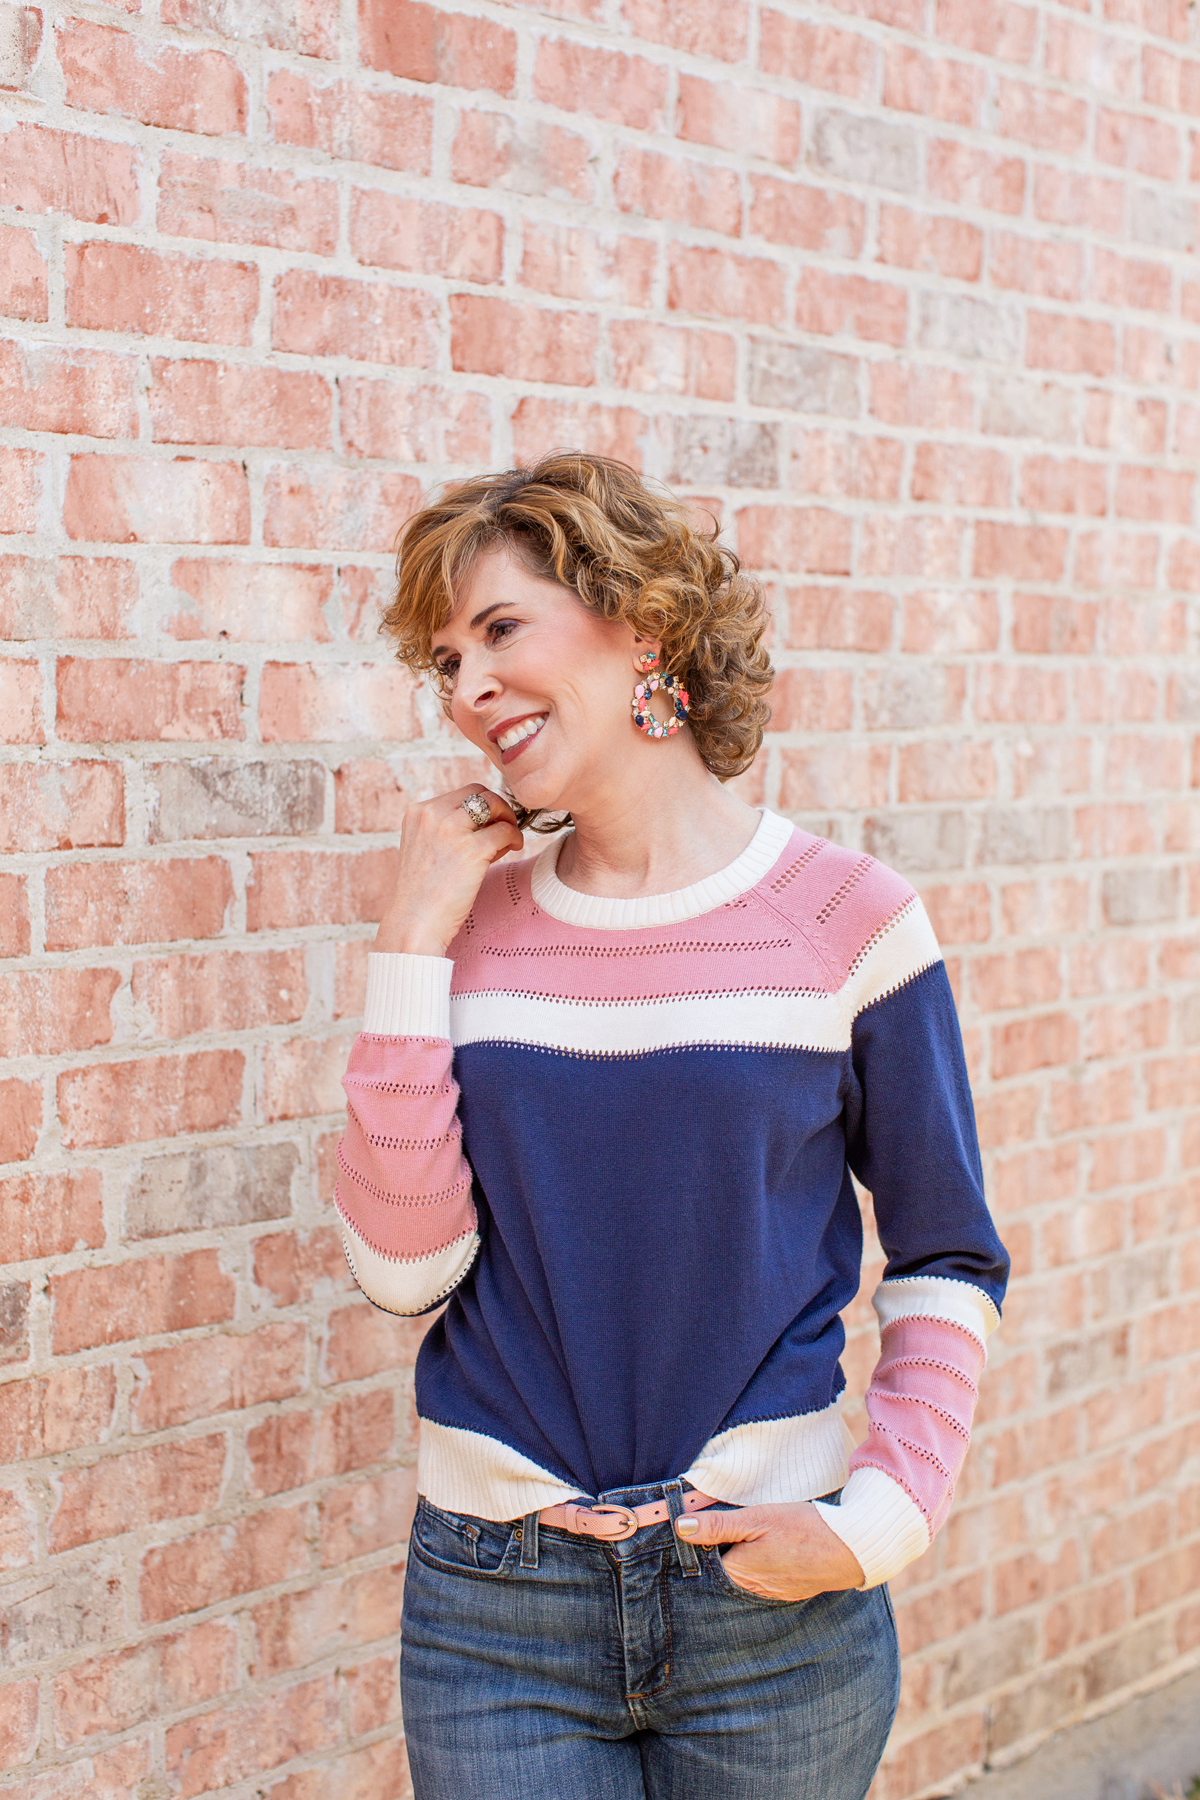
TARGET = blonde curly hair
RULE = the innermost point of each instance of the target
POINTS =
(630, 553)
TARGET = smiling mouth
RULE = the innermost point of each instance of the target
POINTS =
(512, 741)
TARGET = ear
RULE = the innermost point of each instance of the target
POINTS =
(645, 646)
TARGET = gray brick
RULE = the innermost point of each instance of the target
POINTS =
(1087, 1361)
(1048, 1701)
(14, 1321)
(1134, 1655)
(1014, 406)
(989, 1658)
(798, 378)
(918, 842)
(726, 452)
(1025, 835)
(1139, 896)
(1185, 695)
(216, 797)
(46, 1616)
(1168, 221)
(227, 1184)
(960, 325)
(871, 151)
(897, 698)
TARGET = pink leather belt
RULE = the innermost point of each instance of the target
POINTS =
(612, 1523)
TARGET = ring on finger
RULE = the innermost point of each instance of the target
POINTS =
(477, 810)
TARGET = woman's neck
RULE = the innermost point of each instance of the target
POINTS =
(677, 830)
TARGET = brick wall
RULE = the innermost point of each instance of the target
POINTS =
(905, 290)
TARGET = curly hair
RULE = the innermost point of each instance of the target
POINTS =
(632, 554)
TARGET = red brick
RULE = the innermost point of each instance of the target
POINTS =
(423, 424)
(113, 700)
(812, 699)
(220, 1748)
(394, 232)
(958, 475)
(618, 431)
(197, 402)
(67, 1410)
(143, 1487)
(699, 27)
(716, 284)
(303, 1077)
(47, 1011)
(1019, 552)
(350, 979)
(163, 1675)
(1036, 267)
(148, 293)
(322, 315)
(374, 1693)
(50, 1215)
(22, 44)
(310, 27)
(303, 887)
(389, 131)
(662, 187)
(910, 240)
(625, 90)
(497, 337)
(1151, 357)
(1002, 30)
(248, 602)
(219, 1374)
(834, 775)
(1125, 281)
(14, 915)
(491, 150)
(144, 1298)
(948, 624)
(21, 703)
(924, 397)
(291, 1266)
(159, 1096)
(288, 1450)
(1065, 341)
(1041, 117)
(422, 43)
(937, 87)
(1038, 1043)
(843, 62)
(928, 548)
(839, 619)
(61, 805)
(751, 121)
(808, 218)
(21, 473)
(23, 290)
(108, 71)
(1063, 197)
(135, 499)
(811, 540)
(363, 1341)
(1143, 493)
(233, 991)
(336, 509)
(829, 304)
(217, 1564)
(19, 1722)
(239, 203)
(329, 1619)
(88, 392)
(940, 770)
(841, 465)
(67, 597)
(651, 358)
(1049, 484)
(20, 1119)
(89, 178)
(366, 1516)
(1132, 141)
(969, 176)
(17, 1540)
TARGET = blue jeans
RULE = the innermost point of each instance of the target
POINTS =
(537, 1662)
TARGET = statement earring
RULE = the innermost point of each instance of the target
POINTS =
(650, 683)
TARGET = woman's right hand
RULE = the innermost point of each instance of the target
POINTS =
(443, 859)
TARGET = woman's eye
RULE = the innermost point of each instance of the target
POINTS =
(448, 669)
(501, 628)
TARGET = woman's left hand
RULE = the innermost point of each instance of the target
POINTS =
(779, 1552)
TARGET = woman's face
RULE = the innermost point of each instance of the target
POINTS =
(540, 683)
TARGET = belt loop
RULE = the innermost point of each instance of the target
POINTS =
(673, 1494)
(529, 1541)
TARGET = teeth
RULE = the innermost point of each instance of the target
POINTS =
(517, 734)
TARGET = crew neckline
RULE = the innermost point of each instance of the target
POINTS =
(597, 912)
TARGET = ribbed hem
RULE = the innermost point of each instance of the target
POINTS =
(597, 912)
(936, 1297)
(407, 996)
(879, 1523)
(467, 1472)
(771, 1461)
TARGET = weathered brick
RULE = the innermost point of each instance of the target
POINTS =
(393, 232)
(288, 1450)
(342, 119)
(44, 1012)
(14, 1329)
(220, 1374)
(66, 597)
(61, 805)
(23, 288)
(240, 203)
(248, 602)
(591, 265)
(625, 90)
(110, 71)
(81, 1607)
(66, 1410)
(86, 392)
(332, 702)
(93, 179)
(217, 797)
(806, 217)
(201, 1189)
(49, 1215)
(336, 509)
(136, 902)
(365, 1516)
(163, 1675)
(323, 315)
(108, 1304)
(20, 1119)
(21, 477)
(142, 1487)
(492, 150)
(197, 402)
(663, 359)
(133, 500)
(423, 43)
(308, 27)
(151, 293)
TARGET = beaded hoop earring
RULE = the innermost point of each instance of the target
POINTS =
(643, 718)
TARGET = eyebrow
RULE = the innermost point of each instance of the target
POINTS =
(496, 606)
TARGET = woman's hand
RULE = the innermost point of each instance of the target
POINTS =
(443, 859)
(779, 1552)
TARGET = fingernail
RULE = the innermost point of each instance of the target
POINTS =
(687, 1527)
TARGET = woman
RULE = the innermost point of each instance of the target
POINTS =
(606, 1103)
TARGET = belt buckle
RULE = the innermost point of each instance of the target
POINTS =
(629, 1516)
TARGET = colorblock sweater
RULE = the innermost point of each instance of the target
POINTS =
(619, 1135)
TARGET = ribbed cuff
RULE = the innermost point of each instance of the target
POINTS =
(407, 996)
(879, 1523)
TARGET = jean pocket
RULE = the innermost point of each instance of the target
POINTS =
(726, 1582)
(459, 1544)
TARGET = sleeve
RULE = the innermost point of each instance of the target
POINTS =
(911, 1141)
(403, 1193)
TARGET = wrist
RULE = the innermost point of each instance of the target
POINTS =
(407, 937)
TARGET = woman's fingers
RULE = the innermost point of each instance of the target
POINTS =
(716, 1527)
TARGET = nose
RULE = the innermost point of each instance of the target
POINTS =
(476, 685)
